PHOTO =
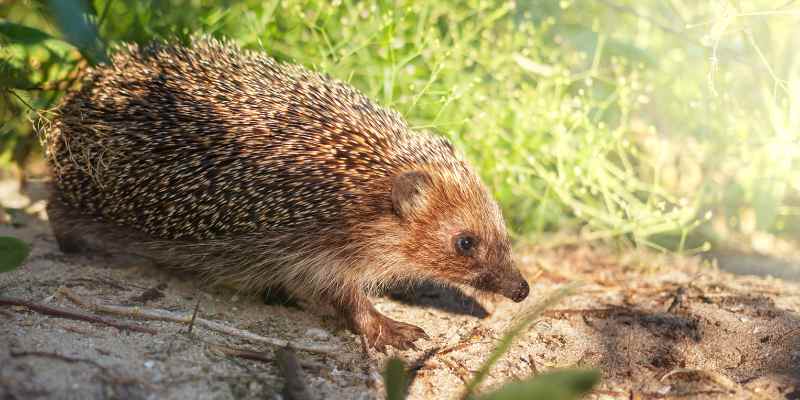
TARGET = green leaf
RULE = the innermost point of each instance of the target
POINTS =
(12, 253)
(558, 385)
(12, 77)
(78, 29)
(395, 379)
(22, 34)
(520, 324)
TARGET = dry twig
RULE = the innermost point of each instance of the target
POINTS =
(717, 378)
(788, 334)
(598, 312)
(186, 318)
(73, 314)
(456, 368)
(259, 356)
(194, 316)
(677, 299)
(44, 354)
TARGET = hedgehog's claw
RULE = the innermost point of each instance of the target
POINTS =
(379, 330)
(385, 332)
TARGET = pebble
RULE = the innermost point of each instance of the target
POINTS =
(316, 333)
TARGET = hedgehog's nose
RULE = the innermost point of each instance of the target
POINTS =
(514, 286)
(520, 292)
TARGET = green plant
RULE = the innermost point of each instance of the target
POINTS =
(13, 253)
(549, 132)
(36, 67)
(556, 385)
(617, 119)
(722, 91)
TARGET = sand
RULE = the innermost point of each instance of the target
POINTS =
(657, 326)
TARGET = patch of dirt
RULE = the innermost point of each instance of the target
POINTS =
(657, 326)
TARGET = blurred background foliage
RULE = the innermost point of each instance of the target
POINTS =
(669, 123)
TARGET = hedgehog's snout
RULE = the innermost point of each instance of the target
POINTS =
(514, 286)
(506, 281)
(520, 292)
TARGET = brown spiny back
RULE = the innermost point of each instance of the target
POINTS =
(209, 141)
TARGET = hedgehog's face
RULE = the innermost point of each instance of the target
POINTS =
(455, 230)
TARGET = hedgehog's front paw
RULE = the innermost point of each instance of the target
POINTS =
(388, 332)
(378, 330)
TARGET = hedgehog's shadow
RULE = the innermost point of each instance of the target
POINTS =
(446, 298)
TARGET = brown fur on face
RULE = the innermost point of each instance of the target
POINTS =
(439, 205)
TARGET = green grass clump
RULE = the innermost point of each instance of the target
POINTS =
(618, 119)
(549, 130)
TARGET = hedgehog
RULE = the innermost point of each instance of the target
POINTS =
(268, 176)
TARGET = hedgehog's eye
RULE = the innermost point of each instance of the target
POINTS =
(465, 243)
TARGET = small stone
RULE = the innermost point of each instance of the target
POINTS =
(316, 333)
(149, 364)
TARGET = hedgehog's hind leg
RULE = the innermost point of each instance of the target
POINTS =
(77, 233)
(278, 295)
(66, 224)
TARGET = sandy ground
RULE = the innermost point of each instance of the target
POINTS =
(657, 326)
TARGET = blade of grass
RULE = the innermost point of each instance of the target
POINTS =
(395, 379)
(22, 34)
(557, 385)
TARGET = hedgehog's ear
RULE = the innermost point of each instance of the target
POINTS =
(409, 192)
